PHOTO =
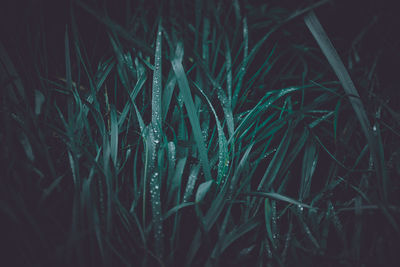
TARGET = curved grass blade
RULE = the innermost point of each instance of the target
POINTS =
(280, 197)
(261, 106)
(203, 190)
(334, 60)
(223, 161)
(177, 208)
(190, 107)
(238, 232)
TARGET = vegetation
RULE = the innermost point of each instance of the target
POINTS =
(197, 133)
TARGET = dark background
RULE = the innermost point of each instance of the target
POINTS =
(25, 23)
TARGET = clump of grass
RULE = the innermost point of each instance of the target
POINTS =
(212, 136)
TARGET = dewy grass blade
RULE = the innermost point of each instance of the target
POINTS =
(280, 198)
(245, 64)
(225, 101)
(260, 107)
(153, 142)
(156, 92)
(190, 107)
(268, 220)
(223, 161)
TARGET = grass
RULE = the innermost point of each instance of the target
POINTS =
(218, 135)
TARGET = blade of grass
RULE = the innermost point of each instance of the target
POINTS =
(279, 197)
(190, 107)
(223, 161)
(114, 136)
(337, 65)
(154, 139)
(308, 167)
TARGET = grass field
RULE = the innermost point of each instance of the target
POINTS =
(199, 133)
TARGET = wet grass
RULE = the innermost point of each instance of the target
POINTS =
(196, 133)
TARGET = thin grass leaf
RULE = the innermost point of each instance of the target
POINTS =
(228, 60)
(308, 167)
(245, 38)
(10, 70)
(177, 208)
(334, 60)
(114, 136)
(223, 156)
(335, 120)
(167, 95)
(121, 67)
(279, 197)
(68, 75)
(26, 144)
(238, 232)
(190, 107)
(153, 140)
(268, 221)
(207, 222)
(238, 173)
(176, 180)
(191, 183)
(261, 106)
(277, 160)
(156, 116)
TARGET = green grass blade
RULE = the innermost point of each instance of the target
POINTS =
(280, 198)
(308, 168)
(190, 107)
(114, 136)
(276, 163)
(239, 232)
(337, 65)
(156, 90)
(223, 156)
(153, 142)
(194, 173)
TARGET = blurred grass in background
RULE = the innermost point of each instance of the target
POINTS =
(199, 133)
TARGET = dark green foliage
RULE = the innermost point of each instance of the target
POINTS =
(196, 133)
